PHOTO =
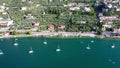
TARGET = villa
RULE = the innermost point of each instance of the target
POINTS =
(6, 22)
(118, 9)
(24, 8)
(112, 1)
(36, 24)
(29, 16)
(108, 18)
(2, 8)
(74, 8)
(70, 5)
(108, 21)
(100, 14)
(6, 33)
(61, 27)
(51, 28)
(87, 9)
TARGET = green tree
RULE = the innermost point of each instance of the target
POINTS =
(29, 33)
(99, 32)
(14, 33)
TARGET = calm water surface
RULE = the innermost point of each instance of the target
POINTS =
(73, 53)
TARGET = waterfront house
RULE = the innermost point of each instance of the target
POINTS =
(114, 34)
(51, 28)
(73, 4)
(4, 13)
(74, 8)
(29, 16)
(108, 21)
(118, 9)
(83, 22)
(23, 0)
(80, 4)
(6, 33)
(108, 18)
(100, 14)
(109, 6)
(1, 18)
(2, 8)
(87, 9)
(29, 1)
(112, 1)
(70, 5)
(115, 1)
(36, 24)
(50, 0)
(24, 8)
(61, 27)
(37, 5)
(105, 10)
(6, 22)
(116, 30)
(107, 26)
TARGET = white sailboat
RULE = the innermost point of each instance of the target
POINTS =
(88, 47)
(113, 46)
(45, 42)
(58, 49)
(31, 50)
(16, 44)
(1, 52)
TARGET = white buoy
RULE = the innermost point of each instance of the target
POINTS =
(1, 52)
(92, 41)
(113, 62)
(110, 60)
(81, 42)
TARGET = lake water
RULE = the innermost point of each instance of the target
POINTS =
(73, 54)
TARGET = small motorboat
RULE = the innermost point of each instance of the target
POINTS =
(45, 42)
(113, 46)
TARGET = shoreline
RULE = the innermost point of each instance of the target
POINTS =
(51, 34)
(60, 35)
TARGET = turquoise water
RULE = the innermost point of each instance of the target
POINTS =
(73, 53)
